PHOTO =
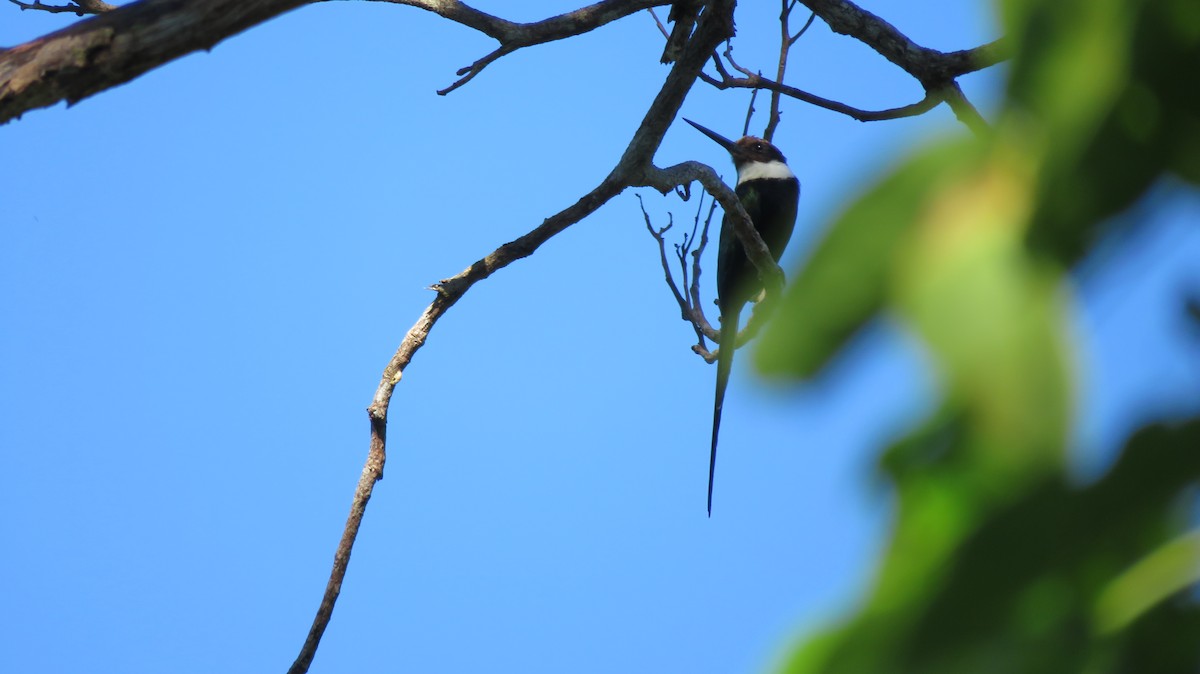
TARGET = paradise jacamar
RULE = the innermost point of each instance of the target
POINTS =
(769, 192)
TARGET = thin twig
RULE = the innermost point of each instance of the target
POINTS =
(475, 68)
(963, 109)
(690, 309)
(660, 236)
(77, 7)
(705, 327)
(681, 251)
(930, 67)
(736, 66)
(720, 69)
(685, 245)
(661, 27)
(690, 306)
(758, 82)
(750, 113)
(695, 290)
(807, 24)
(935, 70)
(634, 169)
(785, 45)
(513, 36)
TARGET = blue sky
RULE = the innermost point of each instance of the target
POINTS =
(203, 272)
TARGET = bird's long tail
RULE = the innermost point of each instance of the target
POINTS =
(729, 328)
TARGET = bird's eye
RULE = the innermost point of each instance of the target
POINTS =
(758, 146)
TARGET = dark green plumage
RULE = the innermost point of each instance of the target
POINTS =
(770, 193)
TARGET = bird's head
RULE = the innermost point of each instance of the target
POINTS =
(752, 156)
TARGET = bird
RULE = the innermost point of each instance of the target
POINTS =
(770, 193)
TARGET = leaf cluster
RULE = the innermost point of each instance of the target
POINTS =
(996, 562)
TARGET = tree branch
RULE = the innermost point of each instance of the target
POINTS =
(785, 46)
(691, 309)
(694, 291)
(119, 45)
(847, 18)
(664, 180)
(633, 169)
(935, 70)
(568, 24)
(756, 81)
(688, 298)
(112, 48)
(965, 61)
(963, 110)
(513, 36)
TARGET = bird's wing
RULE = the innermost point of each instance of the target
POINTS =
(736, 276)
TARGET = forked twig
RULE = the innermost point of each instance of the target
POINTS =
(686, 294)
(691, 308)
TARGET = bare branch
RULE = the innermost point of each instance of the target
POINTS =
(958, 63)
(963, 110)
(115, 47)
(807, 24)
(758, 82)
(77, 7)
(474, 69)
(513, 36)
(935, 70)
(119, 45)
(681, 251)
(659, 236)
(502, 30)
(750, 112)
(932, 68)
(685, 248)
(690, 171)
(661, 28)
(785, 44)
(690, 306)
(695, 289)
(729, 57)
(687, 310)
(449, 292)
(720, 66)
(633, 169)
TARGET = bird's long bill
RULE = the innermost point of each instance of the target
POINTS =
(724, 142)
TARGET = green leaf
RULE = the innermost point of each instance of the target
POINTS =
(845, 283)
(997, 562)
(1098, 93)
(992, 317)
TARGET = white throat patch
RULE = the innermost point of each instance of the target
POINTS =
(756, 170)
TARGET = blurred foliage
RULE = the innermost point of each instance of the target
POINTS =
(997, 563)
